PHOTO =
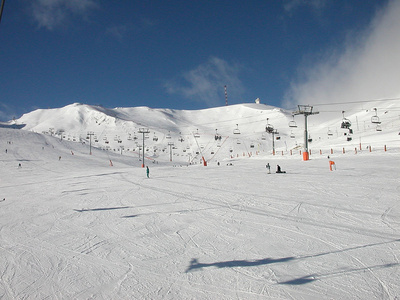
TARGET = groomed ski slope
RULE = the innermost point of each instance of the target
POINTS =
(78, 228)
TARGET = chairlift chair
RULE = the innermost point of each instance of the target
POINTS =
(236, 131)
(197, 134)
(181, 139)
(155, 138)
(375, 119)
(269, 128)
(217, 136)
(329, 132)
(378, 127)
(292, 136)
(345, 122)
(292, 123)
(168, 136)
(263, 137)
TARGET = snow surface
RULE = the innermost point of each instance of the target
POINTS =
(75, 227)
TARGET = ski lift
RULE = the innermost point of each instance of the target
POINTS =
(269, 128)
(375, 119)
(329, 132)
(129, 137)
(197, 134)
(134, 136)
(309, 139)
(155, 138)
(263, 137)
(292, 123)
(292, 136)
(217, 136)
(168, 136)
(238, 142)
(345, 122)
(236, 131)
(378, 127)
(252, 145)
(231, 150)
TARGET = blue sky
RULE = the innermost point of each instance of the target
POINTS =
(175, 54)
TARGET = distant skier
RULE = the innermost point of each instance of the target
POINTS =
(269, 168)
(278, 169)
(147, 171)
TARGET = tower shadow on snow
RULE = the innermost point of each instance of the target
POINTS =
(194, 263)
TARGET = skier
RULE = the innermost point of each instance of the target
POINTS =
(147, 171)
(269, 168)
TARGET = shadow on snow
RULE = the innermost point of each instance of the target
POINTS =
(101, 208)
(194, 263)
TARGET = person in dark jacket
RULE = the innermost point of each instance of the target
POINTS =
(278, 169)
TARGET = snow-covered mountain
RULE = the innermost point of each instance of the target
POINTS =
(80, 226)
(216, 133)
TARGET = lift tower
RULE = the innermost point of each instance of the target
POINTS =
(144, 131)
(305, 110)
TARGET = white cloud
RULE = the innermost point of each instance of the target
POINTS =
(51, 14)
(367, 68)
(206, 82)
